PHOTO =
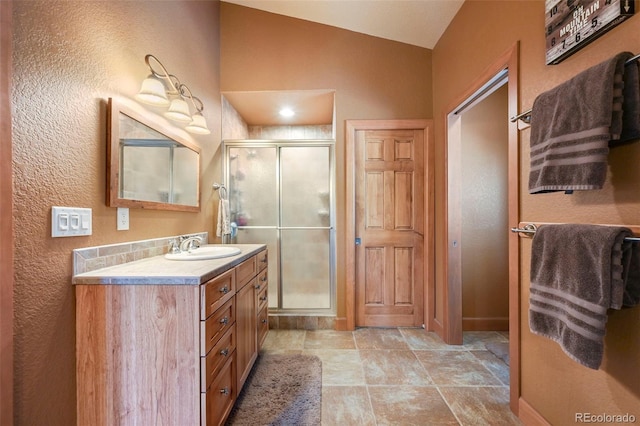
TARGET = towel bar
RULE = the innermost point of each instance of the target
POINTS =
(531, 229)
(526, 116)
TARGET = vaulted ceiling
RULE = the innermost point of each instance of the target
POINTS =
(416, 22)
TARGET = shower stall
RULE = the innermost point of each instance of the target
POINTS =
(281, 193)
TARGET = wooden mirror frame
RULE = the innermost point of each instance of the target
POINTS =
(113, 199)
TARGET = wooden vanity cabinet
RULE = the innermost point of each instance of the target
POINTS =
(167, 354)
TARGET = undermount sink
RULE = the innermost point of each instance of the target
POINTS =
(204, 252)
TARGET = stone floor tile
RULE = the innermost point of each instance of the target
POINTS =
(387, 367)
(329, 339)
(493, 364)
(379, 338)
(346, 405)
(284, 341)
(418, 339)
(409, 405)
(453, 368)
(339, 366)
(480, 405)
(477, 339)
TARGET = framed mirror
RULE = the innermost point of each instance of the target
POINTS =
(149, 165)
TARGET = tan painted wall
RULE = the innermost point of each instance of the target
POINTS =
(482, 30)
(69, 57)
(373, 78)
(485, 266)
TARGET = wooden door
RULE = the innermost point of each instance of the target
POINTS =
(389, 225)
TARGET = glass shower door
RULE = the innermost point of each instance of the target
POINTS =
(253, 202)
(305, 229)
(280, 194)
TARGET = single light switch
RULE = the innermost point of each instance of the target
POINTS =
(63, 222)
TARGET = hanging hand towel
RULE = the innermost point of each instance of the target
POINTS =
(571, 126)
(630, 105)
(224, 225)
(577, 273)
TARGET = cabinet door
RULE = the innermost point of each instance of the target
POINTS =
(218, 401)
(246, 328)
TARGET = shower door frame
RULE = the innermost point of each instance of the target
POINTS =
(277, 144)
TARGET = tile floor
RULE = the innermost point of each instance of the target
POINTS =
(404, 376)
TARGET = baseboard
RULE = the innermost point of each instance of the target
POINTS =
(485, 324)
(529, 416)
(341, 324)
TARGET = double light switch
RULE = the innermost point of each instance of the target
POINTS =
(70, 221)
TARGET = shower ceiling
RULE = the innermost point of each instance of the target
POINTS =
(262, 108)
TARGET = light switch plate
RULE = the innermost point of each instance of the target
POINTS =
(70, 221)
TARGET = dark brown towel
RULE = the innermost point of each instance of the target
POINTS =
(630, 105)
(578, 272)
(571, 126)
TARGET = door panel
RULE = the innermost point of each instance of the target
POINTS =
(253, 193)
(305, 186)
(306, 279)
(389, 169)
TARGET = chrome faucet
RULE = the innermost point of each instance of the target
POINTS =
(190, 243)
(174, 247)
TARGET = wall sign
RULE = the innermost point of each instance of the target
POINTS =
(572, 24)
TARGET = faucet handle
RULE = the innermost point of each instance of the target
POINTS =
(173, 247)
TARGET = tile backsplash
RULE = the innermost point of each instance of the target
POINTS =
(92, 258)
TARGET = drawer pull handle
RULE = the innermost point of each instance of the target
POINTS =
(264, 321)
(224, 321)
(263, 298)
(224, 352)
(264, 259)
(257, 287)
(224, 290)
(263, 279)
(224, 391)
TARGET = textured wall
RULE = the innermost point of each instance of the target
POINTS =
(485, 267)
(553, 384)
(373, 78)
(69, 57)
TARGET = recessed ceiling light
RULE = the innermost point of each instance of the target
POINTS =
(287, 112)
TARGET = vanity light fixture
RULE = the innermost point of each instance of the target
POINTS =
(159, 87)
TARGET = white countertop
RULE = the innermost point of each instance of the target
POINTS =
(159, 270)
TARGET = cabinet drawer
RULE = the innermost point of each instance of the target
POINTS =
(262, 292)
(214, 293)
(261, 282)
(216, 325)
(211, 365)
(263, 326)
(245, 271)
(262, 260)
(217, 402)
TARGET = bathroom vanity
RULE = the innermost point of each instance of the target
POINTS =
(168, 342)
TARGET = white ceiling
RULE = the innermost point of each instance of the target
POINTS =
(415, 22)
